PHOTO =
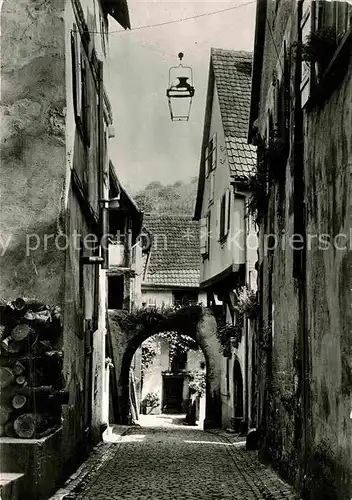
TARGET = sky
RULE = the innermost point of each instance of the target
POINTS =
(148, 146)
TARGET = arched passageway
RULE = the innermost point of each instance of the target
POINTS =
(168, 376)
(128, 333)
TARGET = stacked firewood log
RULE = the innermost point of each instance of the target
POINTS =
(31, 380)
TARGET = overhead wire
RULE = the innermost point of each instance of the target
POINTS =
(180, 20)
(152, 47)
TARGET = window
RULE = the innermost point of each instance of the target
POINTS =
(329, 22)
(178, 360)
(151, 302)
(224, 214)
(80, 86)
(103, 34)
(210, 165)
(208, 233)
(283, 99)
(306, 28)
(210, 155)
(184, 298)
(205, 235)
(211, 186)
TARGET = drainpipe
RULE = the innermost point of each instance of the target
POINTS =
(246, 327)
(300, 262)
(103, 175)
(99, 415)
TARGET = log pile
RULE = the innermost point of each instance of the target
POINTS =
(31, 380)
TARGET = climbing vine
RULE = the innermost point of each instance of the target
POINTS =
(265, 338)
(181, 319)
(229, 336)
(150, 349)
(271, 168)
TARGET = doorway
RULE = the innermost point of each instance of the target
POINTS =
(115, 292)
(172, 393)
(237, 391)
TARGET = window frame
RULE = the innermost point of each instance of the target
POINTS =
(151, 301)
(80, 86)
(224, 215)
(210, 165)
(205, 235)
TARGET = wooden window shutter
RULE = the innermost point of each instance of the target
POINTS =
(206, 155)
(86, 103)
(211, 186)
(307, 24)
(218, 219)
(76, 71)
(214, 153)
(203, 236)
(208, 232)
(223, 216)
(227, 211)
(286, 92)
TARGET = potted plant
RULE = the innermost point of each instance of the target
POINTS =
(320, 46)
(196, 386)
(149, 403)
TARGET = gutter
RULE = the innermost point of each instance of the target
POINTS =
(103, 175)
(257, 66)
(206, 128)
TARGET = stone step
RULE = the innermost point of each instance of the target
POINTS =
(11, 486)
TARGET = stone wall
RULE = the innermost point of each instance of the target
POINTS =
(125, 342)
(304, 369)
(32, 148)
(40, 209)
(328, 194)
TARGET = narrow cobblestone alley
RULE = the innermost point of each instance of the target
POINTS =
(174, 463)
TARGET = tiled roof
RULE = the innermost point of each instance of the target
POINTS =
(232, 71)
(242, 158)
(174, 257)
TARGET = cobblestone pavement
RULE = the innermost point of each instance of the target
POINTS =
(165, 463)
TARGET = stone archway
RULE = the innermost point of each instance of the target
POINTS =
(126, 338)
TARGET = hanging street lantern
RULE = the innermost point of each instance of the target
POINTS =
(180, 91)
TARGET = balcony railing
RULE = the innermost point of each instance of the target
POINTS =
(136, 258)
(117, 255)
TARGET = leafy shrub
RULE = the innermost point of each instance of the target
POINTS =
(258, 201)
(150, 401)
(197, 382)
(247, 302)
(229, 335)
(320, 46)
